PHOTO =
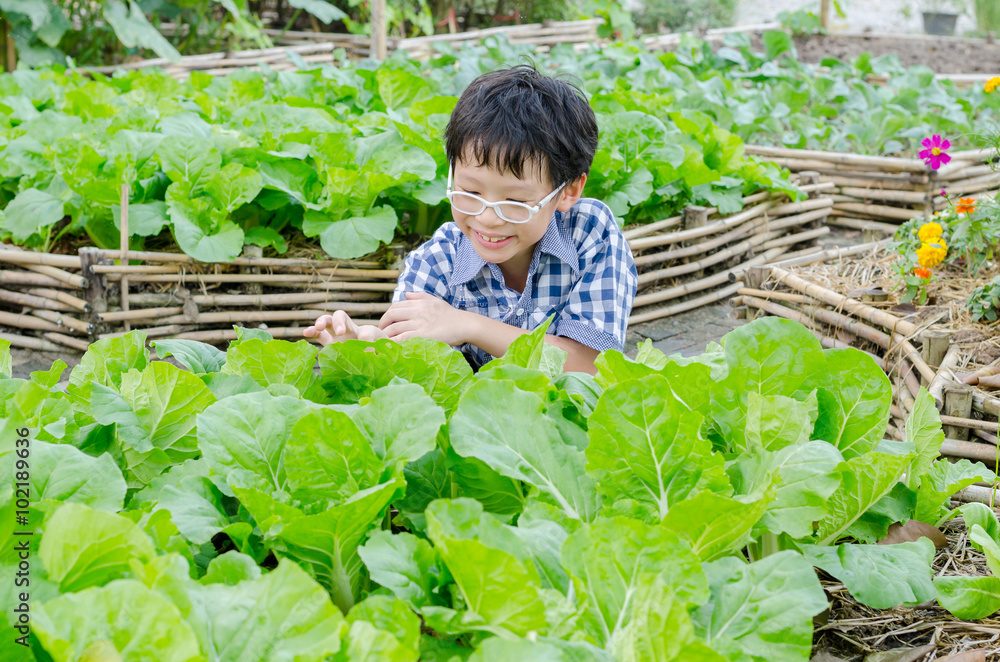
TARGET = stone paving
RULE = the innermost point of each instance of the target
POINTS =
(686, 334)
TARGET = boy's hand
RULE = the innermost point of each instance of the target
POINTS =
(424, 315)
(339, 327)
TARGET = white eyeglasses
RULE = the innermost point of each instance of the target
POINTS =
(512, 212)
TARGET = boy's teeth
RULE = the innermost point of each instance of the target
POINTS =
(492, 239)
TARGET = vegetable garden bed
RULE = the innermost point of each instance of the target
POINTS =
(851, 303)
(660, 511)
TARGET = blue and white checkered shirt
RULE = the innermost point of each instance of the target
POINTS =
(582, 271)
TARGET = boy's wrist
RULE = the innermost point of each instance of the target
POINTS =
(470, 327)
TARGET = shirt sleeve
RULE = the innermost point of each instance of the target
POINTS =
(427, 268)
(599, 304)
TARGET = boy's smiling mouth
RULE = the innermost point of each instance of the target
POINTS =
(492, 241)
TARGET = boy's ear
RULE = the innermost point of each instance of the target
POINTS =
(571, 194)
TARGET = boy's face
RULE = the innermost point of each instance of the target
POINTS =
(514, 242)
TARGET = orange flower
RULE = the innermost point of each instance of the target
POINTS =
(992, 84)
(966, 206)
(923, 273)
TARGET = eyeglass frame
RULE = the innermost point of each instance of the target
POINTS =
(495, 206)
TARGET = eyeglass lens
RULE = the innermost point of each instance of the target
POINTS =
(469, 205)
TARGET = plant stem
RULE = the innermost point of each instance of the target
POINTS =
(288, 25)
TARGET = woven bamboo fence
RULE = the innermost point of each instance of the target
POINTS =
(58, 302)
(307, 49)
(880, 192)
(698, 258)
(915, 350)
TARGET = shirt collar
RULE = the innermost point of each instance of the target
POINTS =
(556, 242)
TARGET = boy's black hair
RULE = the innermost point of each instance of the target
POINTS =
(517, 116)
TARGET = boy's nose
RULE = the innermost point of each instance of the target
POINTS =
(489, 216)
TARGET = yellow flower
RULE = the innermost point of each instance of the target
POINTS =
(992, 84)
(930, 231)
(929, 255)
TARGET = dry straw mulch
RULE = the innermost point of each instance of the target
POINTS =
(856, 633)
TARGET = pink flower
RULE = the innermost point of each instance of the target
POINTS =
(934, 154)
(944, 193)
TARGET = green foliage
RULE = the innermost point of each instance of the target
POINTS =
(984, 301)
(259, 157)
(659, 16)
(399, 507)
(801, 22)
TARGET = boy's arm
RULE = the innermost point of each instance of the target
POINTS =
(495, 337)
(425, 316)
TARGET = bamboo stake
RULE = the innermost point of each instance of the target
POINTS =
(29, 301)
(674, 309)
(650, 228)
(910, 197)
(934, 346)
(135, 269)
(351, 306)
(970, 423)
(27, 322)
(360, 274)
(139, 314)
(124, 237)
(877, 210)
(224, 335)
(315, 281)
(957, 404)
(260, 300)
(155, 331)
(63, 320)
(181, 258)
(10, 255)
(991, 381)
(986, 371)
(778, 296)
(79, 282)
(985, 403)
(797, 238)
(61, 297)
(873, 181)
(884, 163)
(941, 377)
(830, 254)
(8, 277)
(853, 306)
(74, 343)
(27, 342)
(862, 224)
(811, 250)
(258, 316)
(970, 450)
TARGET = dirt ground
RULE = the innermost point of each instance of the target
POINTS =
(944, 56)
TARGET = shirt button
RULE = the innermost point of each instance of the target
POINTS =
(520, 311)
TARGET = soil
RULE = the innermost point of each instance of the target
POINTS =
(944, 56)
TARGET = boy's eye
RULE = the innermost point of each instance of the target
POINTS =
(521, 201)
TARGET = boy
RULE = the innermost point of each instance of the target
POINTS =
(523, 244)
